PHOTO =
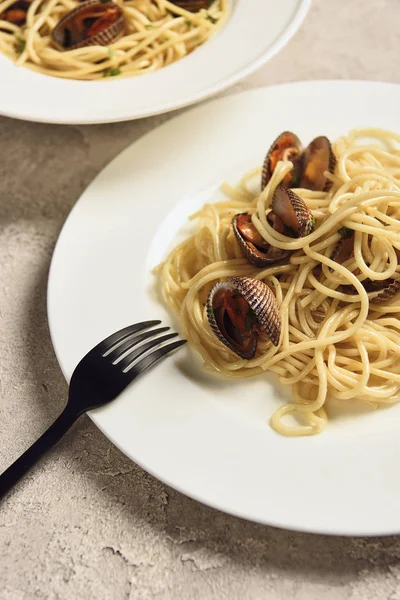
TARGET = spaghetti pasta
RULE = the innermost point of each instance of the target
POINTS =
(157, 34)
(340, 333)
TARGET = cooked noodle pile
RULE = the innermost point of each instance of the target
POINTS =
(335, 340)
(157, 33)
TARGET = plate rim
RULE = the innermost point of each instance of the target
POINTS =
(92, 415)
(281, 41)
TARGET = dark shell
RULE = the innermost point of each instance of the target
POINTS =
(16, 13)
(259, 254)
(293, 212)
(192, 5)
(92, 23)
(263, 303)
(317, 158)
(343, 249)
(388, 292)
(287, 146)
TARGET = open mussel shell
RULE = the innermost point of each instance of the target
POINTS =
(317, 158)
(257, 251)
(258, 307)
(92, 23)
(287, 146)
(292, 211)
(192, 5)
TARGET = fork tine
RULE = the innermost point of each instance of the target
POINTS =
(133, 341)
(122, 334)
(149, 360)
(128, 360)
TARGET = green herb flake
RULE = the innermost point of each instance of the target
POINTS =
(149, 26)
(212, 19)
(19, 45)
(345, 232)
(110, 52)
(189, 23)
(166, 39)
(111, 72)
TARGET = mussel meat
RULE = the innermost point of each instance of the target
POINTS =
(92, 23)
(192, 5)
(287, 146)
(239, 310)
(16, 13)
(257, 251)
(309, 165)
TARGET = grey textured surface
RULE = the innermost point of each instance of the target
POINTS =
(87, 523)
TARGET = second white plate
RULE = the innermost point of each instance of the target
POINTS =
(255, 32)
(203, 435)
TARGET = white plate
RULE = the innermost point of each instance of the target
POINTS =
(255, 32)
(203, 435)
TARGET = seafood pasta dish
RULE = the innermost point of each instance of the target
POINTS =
(301, 277)
(92, 39)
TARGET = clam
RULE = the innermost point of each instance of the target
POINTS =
(92, 23)
(309, 165)
(293, 212)
(289, 215)
(287, 146)
(388, 292)
(257, 251)
(318, 157)
(192, 5)
(239, 310)
(16, 13)
(344, 249)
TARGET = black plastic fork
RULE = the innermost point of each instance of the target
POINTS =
(97, 380)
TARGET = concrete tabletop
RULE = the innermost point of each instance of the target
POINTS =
(86, 522)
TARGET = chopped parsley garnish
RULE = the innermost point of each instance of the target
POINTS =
(110, 52)
(19, 45)
(188, 23)
(212, 19)
(149, 26)
(111, 72)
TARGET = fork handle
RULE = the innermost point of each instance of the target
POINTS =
(46, 441)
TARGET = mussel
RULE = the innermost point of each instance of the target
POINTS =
(16, 13)
(309, 165)
(287, 146)
(239, 310)
(193, 5)
(92, 23)
(289, 215)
